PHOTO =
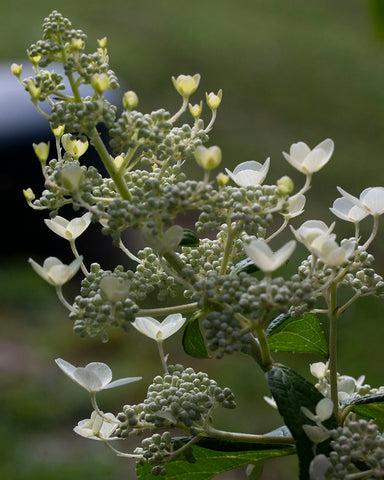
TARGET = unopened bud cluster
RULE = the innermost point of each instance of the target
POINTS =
(356, 447)
(181, 397)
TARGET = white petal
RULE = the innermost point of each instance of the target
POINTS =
(299, 151)
(282, 255)
(148, 326)
(315, 433)
(328, 146)
(122, 381)
(87, 379)
(66, 367)
(171, 325)
(324, 409)
(261, 254)
(101, 370)
(78, 225)
(351, 198)
(373, 200)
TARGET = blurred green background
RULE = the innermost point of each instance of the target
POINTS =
(290, 71)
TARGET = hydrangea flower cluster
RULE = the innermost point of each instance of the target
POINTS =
(224, 282)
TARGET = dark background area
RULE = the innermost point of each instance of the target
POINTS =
(290, 71)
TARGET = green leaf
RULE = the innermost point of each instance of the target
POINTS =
(210, 463)
(301, 335)
(369, 406)
(190, 238)
(245, 265)
(193, 340)
(291, 392)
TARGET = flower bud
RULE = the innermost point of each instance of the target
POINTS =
(41, 151)
(195, 110)
(284, 186)
(29, 195)
(16, 69)
(186, 84)
(77, 43)
(33, 89)
(118, 161)
(213, 101)
(75, 147)
(58, 131)
(100, 82)
(72, 177)
(102, 42)
(35, 59)
(130, 100)
(222, 179)
(208, 158)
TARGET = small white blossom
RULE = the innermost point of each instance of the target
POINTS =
(97, 428)
(319, 467)
(346, 210)
(324, 410)
(310, 230)
(248, 174)
(309, 161)
(328, 250)
(159, 331)
(69, 229)
(93, 377)
(263, 257)
(168, 242)
(295, 206)
(114, 289)
(319, 369)
(54, 271)
(371, 199)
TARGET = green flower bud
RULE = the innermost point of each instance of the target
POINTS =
(75, 147)
(213, 101)
(285, 186)
(186, 84)
(102, 42)
(208, 158)
(72, 177)
(29, 195)
(58, 131)
(41, 151)
(222, 179)
(77, 43)
(130, 100)
(195, 110)
(16, 69)
(100, 82)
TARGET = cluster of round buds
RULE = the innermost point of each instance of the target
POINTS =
(84, 116)
(250, 209)
(246, 295)
(366, 281)
(107, 299)
(159, 449)
(43, 84)
(355, 448)
(181, 397)
(66, 177)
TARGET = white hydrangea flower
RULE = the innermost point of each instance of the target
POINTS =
(248, 174)
(346, 210)
(93, 377)
(371, 199)
(56, 272)
(97, 428)
(309, 161)
(319, 467)
(310, 230)
(324, 410)
(159, 331)
(329, 251)
(69, 229)
(264, 258)
(319, 369)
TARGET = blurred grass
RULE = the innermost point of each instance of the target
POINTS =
(290, 71)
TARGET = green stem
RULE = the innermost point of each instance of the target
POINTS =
(76, 253)
(227, 251)
(116, 175)
(162, 356)
(190, 307)
(359, 475)
(332, 315)
(98, 411)
(63, 300)
(266, 359)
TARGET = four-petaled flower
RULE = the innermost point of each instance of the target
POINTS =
(69, 229)
(56, 272)
(328, 250)
(159, 331)
(263, 257)
(346, 210)
(309, 161)
(310, 230)
(371, 200)
(93, 377)
(249, 174)
(97, 428)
